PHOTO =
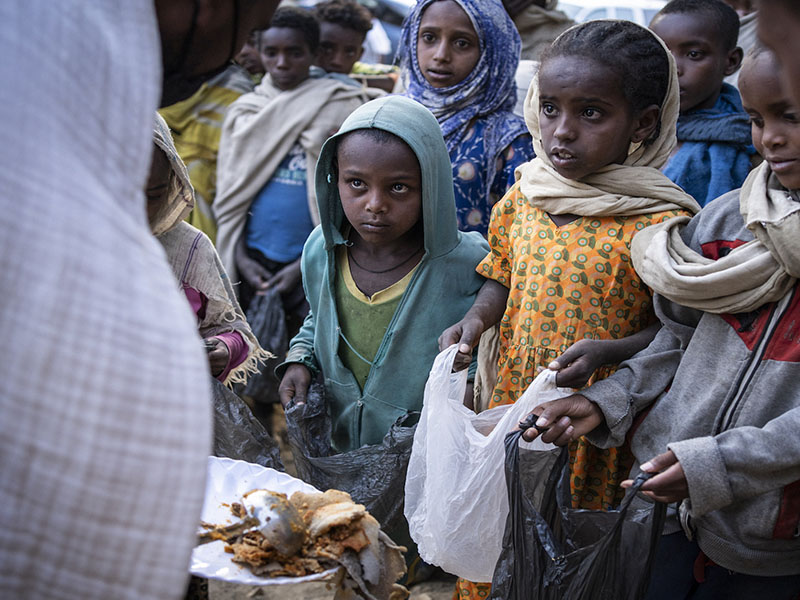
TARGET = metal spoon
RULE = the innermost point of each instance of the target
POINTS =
(273, 515)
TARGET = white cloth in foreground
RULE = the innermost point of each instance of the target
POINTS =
(105, 417)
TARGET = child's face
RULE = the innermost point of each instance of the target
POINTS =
(380, 187)
(286, 56)
(158, 183)
(779, 29)
(774, 116)
(249, 57)
(447, 47)
(700, 57)
(339, 48)
(585, 120)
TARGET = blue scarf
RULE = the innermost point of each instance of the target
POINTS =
(715, 156)
(489, 92)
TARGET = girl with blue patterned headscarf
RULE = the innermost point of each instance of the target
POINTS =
(486, 141)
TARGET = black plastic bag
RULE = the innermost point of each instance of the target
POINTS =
(554, 552)
(267, 319)
(373, 475)
(238, 434)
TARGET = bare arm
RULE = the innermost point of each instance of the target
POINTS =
(488, 309)
(580, 360)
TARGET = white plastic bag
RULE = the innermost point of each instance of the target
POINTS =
(456, 502)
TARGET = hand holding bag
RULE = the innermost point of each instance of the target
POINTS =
(456, 504)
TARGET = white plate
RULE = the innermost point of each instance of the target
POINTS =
(227, 481)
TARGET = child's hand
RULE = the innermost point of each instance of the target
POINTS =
(285, 280)
(218, 355)
(578, 362)
(563, 420)
(294, 385)
(669, 485)
(466, 334)
(253, 272)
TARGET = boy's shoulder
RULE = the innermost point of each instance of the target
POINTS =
(718, 224)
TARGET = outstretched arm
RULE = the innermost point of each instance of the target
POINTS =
(584, 357)
(487, 310)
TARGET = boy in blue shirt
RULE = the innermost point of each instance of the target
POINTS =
(265, 207)
(714, 149)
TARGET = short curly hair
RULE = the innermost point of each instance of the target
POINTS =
(720, 15)
(290, 17)
(345, 13)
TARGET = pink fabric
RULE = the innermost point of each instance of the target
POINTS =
(233, 340)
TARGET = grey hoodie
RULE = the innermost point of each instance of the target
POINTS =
(731, 412)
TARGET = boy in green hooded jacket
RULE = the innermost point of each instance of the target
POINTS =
(384, 272)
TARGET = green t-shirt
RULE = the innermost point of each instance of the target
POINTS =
(363, 319)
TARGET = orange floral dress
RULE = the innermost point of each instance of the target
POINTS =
(565, 284)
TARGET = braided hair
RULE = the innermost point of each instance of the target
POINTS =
(630, 51)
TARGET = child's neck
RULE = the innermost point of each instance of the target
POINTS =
(375, 267)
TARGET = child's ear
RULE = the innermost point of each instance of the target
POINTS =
(648, 121)
(735, 58)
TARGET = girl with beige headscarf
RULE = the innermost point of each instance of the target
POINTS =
(233, 350)
(602, 113)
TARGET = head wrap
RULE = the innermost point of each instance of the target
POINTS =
(196, 264)
(180, 195)
(488, 90)
(635, 187)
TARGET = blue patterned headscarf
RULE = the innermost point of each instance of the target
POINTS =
(488, 91)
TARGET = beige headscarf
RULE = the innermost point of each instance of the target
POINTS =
(195, 262)
(180, 195)
(751, 275)
(635, 187)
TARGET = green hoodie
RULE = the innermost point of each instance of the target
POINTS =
(440, 292)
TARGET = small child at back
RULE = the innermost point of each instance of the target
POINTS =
(716, 395)
(271, 139)
(714, 150)
(343, 27)
(559, 279)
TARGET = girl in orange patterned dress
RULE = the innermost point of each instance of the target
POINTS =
(602, 113)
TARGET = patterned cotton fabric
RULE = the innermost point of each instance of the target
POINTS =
(476, 114)
(566, 284)
(470, 177)
(197, 125)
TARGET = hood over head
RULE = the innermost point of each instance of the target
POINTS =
(180, 196)
(416, 126)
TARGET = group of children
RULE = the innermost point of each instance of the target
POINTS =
(578, 231)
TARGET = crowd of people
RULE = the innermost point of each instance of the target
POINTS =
(632, 229)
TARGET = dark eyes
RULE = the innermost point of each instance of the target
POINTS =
(695, 54)
(548, 110)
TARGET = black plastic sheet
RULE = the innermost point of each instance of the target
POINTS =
(373, 475)
(267, 319)
(554, 552)
(238, 434)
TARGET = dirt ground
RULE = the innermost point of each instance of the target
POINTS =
(439, 588)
